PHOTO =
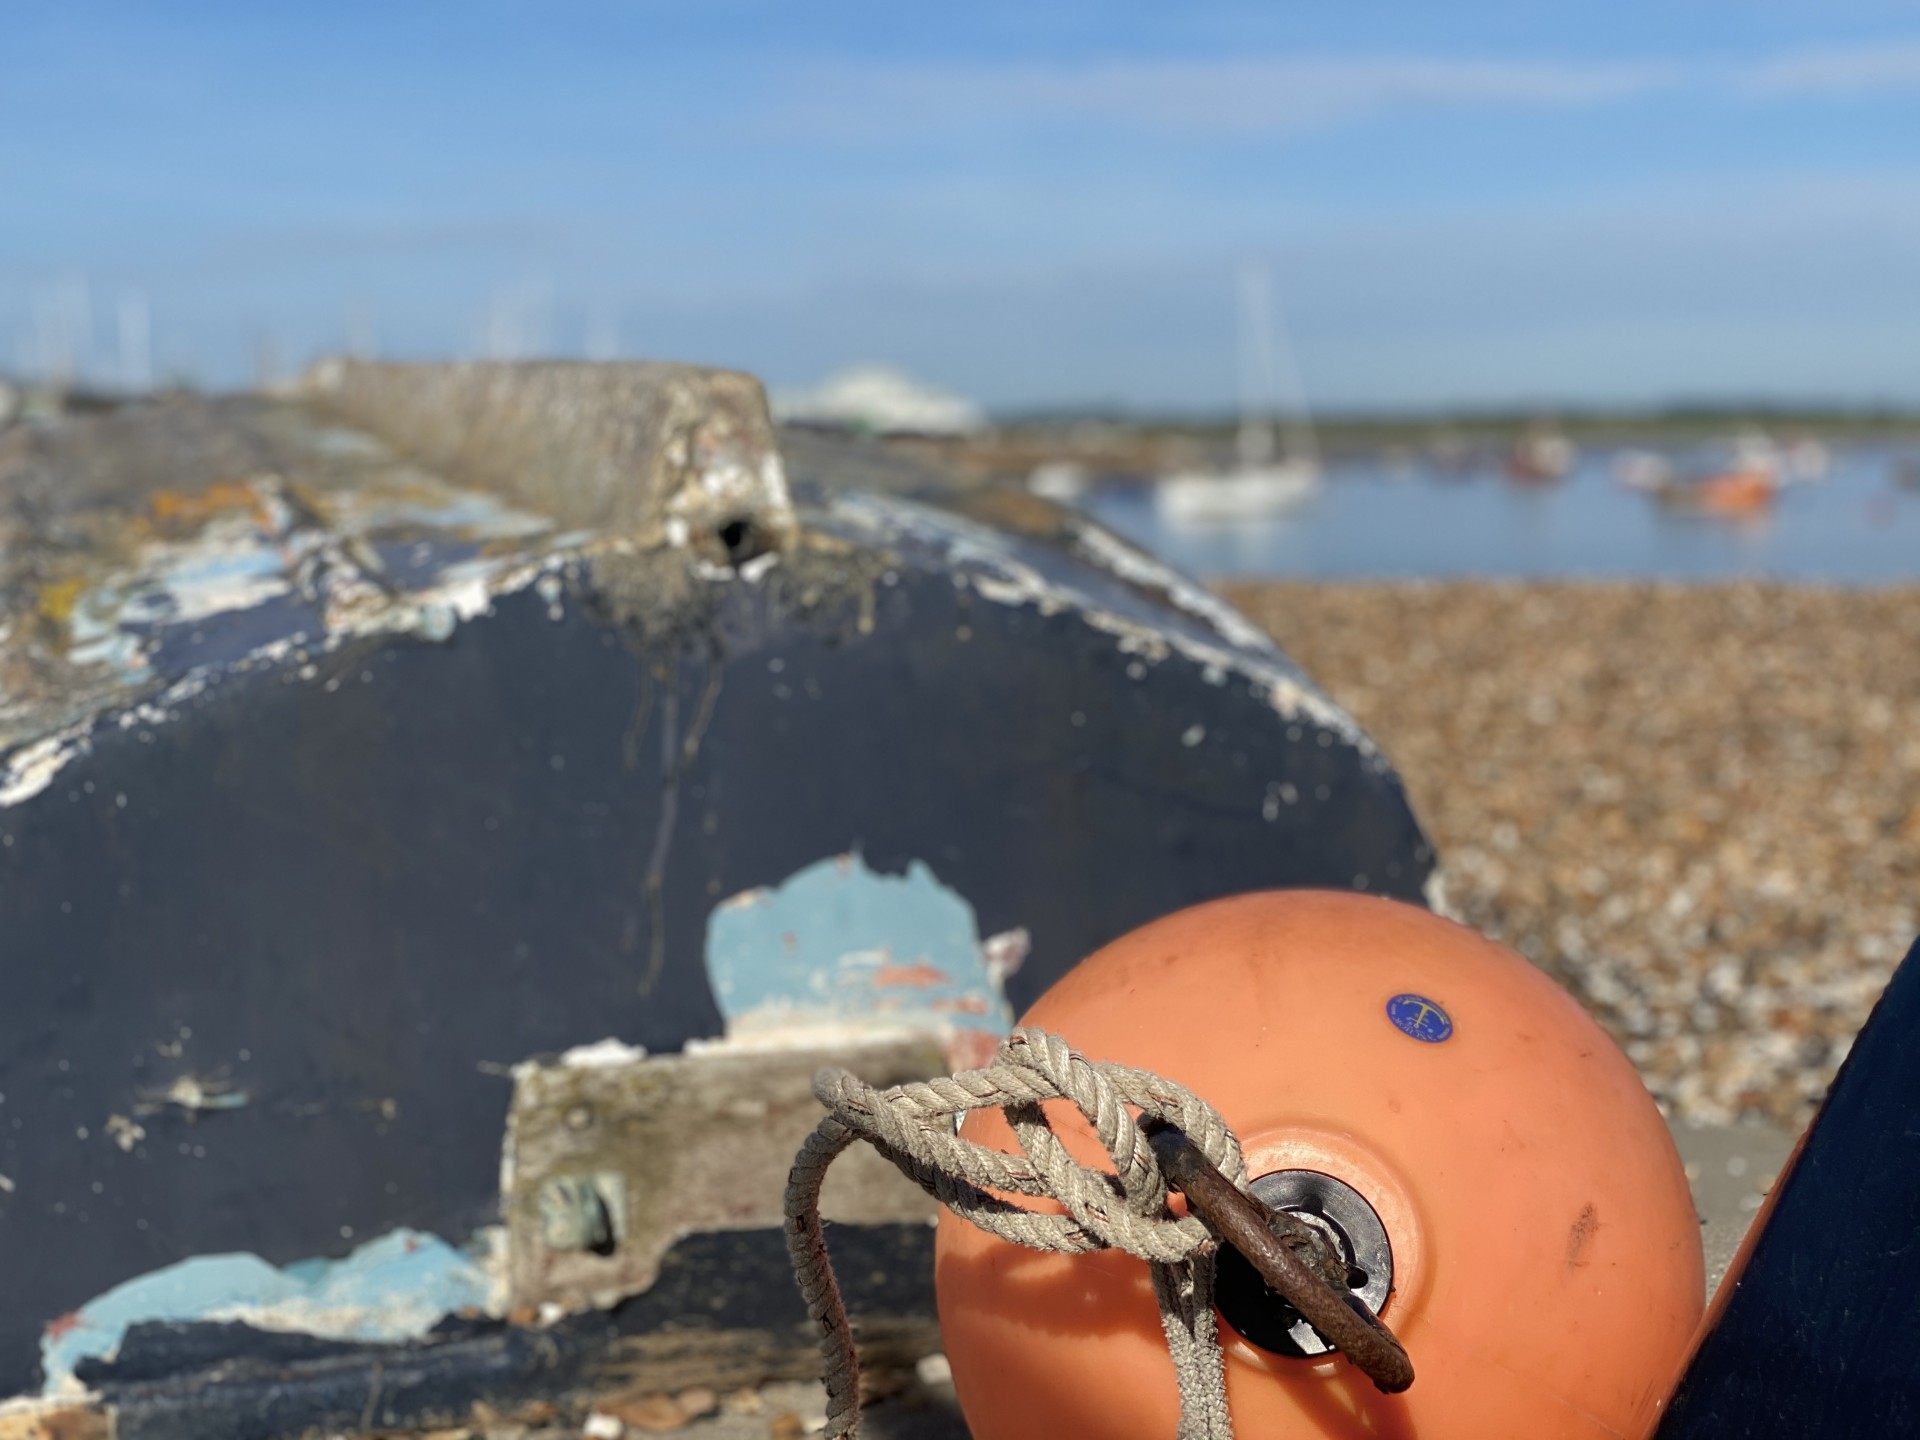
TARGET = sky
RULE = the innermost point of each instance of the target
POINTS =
(1476, 203)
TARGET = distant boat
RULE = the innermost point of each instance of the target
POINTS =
(1646, 470)
(1450, 457)
(1804, 460)
(1540, 456)
(1248, 491)
(1744, 478)
(1735, 492)
(1263, 484)
(876, 400)
(1061, 481)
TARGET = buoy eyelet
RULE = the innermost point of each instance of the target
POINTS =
(1351, 1228)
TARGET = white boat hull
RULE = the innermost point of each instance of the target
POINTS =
(1249, 493)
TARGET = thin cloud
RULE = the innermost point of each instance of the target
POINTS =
(1840, 74)
(1267, 97)
(1220, 98)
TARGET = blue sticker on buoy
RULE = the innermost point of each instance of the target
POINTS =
(1419, 1017)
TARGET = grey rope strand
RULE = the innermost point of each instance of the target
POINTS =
(913, 1126)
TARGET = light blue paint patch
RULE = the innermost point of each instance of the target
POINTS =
(837, 943)
(395, 1288)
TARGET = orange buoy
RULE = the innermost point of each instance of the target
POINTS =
(1511, 1174)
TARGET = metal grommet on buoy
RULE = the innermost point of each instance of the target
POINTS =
(1411, 1097)
(1348, 1226)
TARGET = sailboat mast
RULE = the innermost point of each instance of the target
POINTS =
(1267, 369)
(1256, 367)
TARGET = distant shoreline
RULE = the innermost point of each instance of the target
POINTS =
(1577, 423)
(1134, 449)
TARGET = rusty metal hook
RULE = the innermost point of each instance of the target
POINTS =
(1246, 1223)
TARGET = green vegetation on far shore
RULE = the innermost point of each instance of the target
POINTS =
(1423, 429)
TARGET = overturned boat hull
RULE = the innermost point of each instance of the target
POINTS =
(426, 892)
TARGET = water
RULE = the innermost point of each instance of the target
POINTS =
(1856, 527)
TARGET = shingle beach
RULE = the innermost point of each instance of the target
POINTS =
(1696, 806)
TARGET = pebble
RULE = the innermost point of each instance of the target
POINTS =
(1697, 807)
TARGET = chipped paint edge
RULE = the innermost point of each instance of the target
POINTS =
(391, 1289)
(467, 591)
(1242, 650)
(32, 767)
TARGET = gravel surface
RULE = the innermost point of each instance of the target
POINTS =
(1698, 807)
(784, 1410)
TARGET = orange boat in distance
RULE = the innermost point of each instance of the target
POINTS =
(1747, 478)
(1736, 492)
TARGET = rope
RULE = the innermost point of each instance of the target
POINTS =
(914, 1126)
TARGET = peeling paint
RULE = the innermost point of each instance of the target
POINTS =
(125, 1132)
(839, 945)
(732, 483)
(1111, 553)
(395, 1288)
(168, 611)
(31, 768)
(433, 506)
(602, 1053)
(755, 570)
(1207, 632)
(193, 1094)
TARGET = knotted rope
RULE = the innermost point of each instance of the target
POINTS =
(913, 1126)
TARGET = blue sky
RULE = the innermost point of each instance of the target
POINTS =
(1469, 203)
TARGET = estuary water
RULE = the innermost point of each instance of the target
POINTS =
(1371, 519)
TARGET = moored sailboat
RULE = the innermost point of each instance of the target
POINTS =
(1269, 478)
